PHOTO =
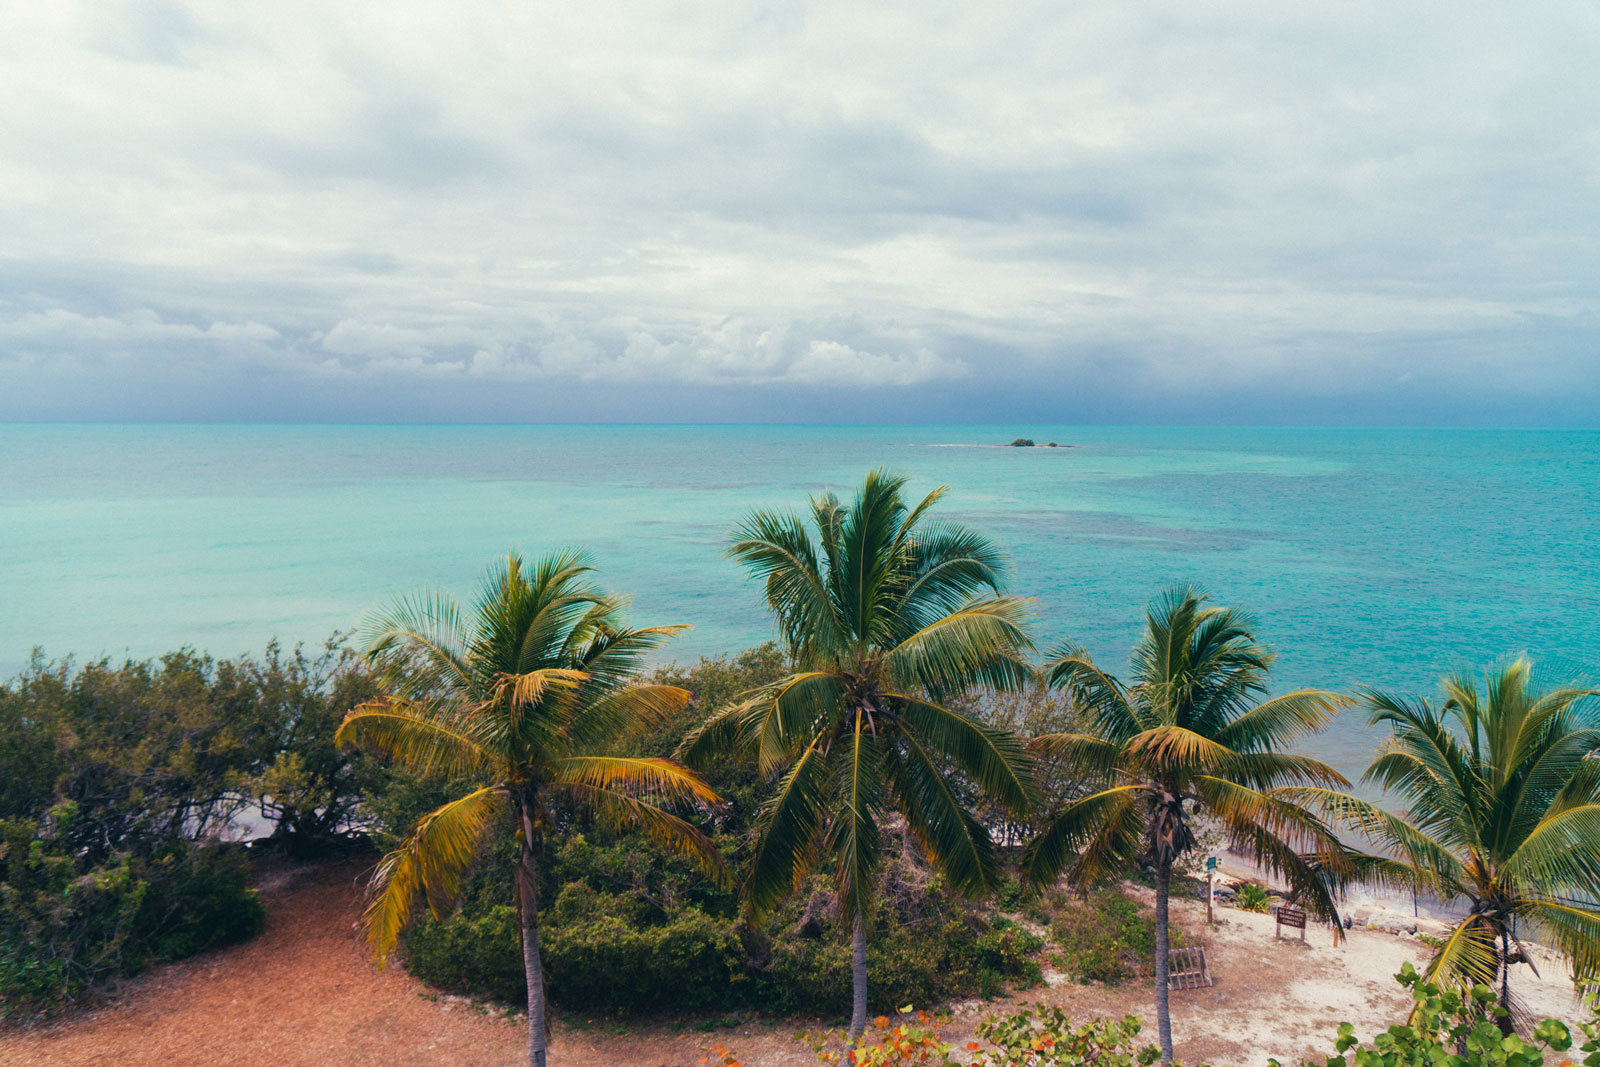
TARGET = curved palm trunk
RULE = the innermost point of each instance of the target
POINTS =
(858, 978)
(532, 965)
(1163, 959)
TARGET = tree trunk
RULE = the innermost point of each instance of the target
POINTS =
(532, 965)
(1163, 959)
(858, 978)
(1505, 1022)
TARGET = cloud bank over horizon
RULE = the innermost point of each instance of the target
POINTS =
(1244, 212)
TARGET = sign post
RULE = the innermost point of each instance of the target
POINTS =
(1293, 918)
(1211, 887)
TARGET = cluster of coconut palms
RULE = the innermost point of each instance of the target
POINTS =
(886, 614)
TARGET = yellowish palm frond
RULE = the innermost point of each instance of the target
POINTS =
(652, 778)
(1173, 748)
(419, 736)
(429, 864)
(666, 830)
(1090, 756)
(524, 689)
(1468, 957)
(626, 712)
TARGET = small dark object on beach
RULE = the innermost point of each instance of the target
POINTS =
(1022, 442)
(1052, 444)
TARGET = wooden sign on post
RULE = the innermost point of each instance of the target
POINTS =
(1294, 918)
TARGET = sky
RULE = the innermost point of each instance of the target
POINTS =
(1216, 212)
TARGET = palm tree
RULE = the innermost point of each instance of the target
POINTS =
(1189, 728)
(520, 698)
(883, 613)
(1502, 785)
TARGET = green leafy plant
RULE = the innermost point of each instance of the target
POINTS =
(1048, 1038)
(912, 1037)
(1252, 896)
(1105, 937)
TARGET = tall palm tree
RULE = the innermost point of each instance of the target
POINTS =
(1502, 786)
(884, 613)
(520, 698)
(1188, 733)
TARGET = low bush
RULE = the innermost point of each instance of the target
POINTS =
(1106, 937)
(66, 924)
(624, 941)
(1252, 896)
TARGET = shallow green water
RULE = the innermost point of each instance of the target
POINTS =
(1370, 556)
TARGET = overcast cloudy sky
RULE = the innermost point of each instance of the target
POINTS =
(893, 211)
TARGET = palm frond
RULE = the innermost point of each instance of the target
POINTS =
(1282, 720)
(982, 644)
(1571, 928)
(653, 778)
(419, 645)
(853, 839)
(624, 712)
(1435, 864)
(956, 842)
(429, 863)
(1561, 854)
(734, 730)
(1092, 757)
(1097, 835)
(775, 547)
(794, 711)
(1173, 749)
(1100, 697)
(995, 759)
(420, 736)
(787, 832)
(1287, 839)
(1468, 957)
(624, 811)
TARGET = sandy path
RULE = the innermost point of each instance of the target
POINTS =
(304, 995)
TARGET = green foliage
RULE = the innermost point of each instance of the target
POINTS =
(111, 779)
(637, 946)
(1049, 1039)
(1252, 896)
(66, 922)
(599, 953)
(1452, 1028)
(1107, 937)
(175, 747)
(1022, 442)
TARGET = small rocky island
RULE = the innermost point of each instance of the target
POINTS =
(1027, 442)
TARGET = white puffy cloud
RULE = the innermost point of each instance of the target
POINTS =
(1092, 204)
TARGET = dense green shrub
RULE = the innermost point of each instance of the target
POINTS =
(66, 923)
(621, 950)
(114, 777)
(1106, 937)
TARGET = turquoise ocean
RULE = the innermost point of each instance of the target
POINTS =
(1379, 557)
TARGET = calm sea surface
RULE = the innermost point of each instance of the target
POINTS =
(1370, 556)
